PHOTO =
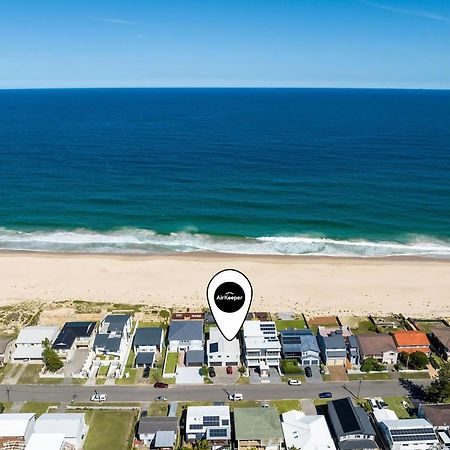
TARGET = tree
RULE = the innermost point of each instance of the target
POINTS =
(414, 360)
(371, 365)
(202, 444)
(439, 390)
(204, 371)
(242, 370)
(52, 361)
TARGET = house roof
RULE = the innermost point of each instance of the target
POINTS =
(67, 424)
(443, 334)
(148, 336)
(376, 343)
(257, 423)
(348, 419)
(186, 330)
(49, 441)
(14, 425)
(408, 338)
(195, 357)
(116, 321)
(145, 358)
(164, 439)
(108, 342)
(36, 335)
(438, 414)
(298, 341)
(357, 444)
(384, 414)
(334, 341)
(306, 432)
(28, 352)
(201, 411)
(152, 424)
(71, 331)
(222, 345)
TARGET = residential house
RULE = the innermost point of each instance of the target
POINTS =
(72, 336)
(406, 434)
(301, 345)
(351, 426)
(212, 423)
(46, 441)
(306, 432)
(410, 341)
(158, 432)
(16, 429)
(113, 334)
(221, 351)
(147, 343)
(353, 350)
(380, 346)
(4, 345)
(29, 343)
(194, 358)
(72, 426)
(261, 346)
(186, 335)
(258, 428)
(439, 416)
(333, 347)
(440, 338)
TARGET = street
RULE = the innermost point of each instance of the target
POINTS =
(59, 393)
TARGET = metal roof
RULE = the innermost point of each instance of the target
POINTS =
(148, 336)
(186, 330)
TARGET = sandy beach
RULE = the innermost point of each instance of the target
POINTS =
(417, 287)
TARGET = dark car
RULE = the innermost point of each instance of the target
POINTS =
(325, 395)
(229, 370)
(144, 413)
(308, 372)
(146, 372)
(160, 385)
(212, 372)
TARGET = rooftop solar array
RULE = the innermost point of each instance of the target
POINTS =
(413, 434)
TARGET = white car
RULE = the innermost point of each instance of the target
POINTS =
(294, 382)
(235, 397)
(98, 398)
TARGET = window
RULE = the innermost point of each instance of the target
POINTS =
(195, 427)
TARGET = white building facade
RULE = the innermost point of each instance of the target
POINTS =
(220, 351)
(261, 346)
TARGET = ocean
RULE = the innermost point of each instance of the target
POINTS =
(333, 172)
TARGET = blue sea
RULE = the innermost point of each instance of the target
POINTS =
(336, 172)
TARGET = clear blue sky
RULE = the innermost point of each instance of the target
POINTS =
(343, 43)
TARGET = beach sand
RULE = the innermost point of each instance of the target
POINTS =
(314, 286)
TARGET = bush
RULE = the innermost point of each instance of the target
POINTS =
(52, 361)
(414, 361)
(2, 407)
(371, 365)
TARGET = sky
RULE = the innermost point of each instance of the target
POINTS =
(204, 43)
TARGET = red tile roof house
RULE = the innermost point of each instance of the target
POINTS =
(412, 341)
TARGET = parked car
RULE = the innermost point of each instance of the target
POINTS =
(235, 397)
(144, 413)
(146, 372)
(325, 395)
(160, 385)
(98, 398)
(229, 370)
(265, 405)
(211, 372)
(160, 399)
(294, 382)
(308, 371)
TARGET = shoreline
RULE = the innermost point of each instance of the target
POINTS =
(316, 285)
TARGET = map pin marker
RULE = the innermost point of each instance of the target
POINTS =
(229, 296)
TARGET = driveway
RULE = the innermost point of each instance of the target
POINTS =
(274, 377)
(188, 375)
(338, 373)
(223, 378)
(316, 376)
(308, 407)
(76, 363)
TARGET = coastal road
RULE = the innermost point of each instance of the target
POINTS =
(59, 393)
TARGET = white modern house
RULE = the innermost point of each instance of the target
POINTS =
(306, 432)
(29, 343)
(221, 351)
(72, 426)
(212, 423)
(16, 428)
(261, 347)
(185, 335)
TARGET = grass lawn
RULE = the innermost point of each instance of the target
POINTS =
(158, 409)
(285, 324)
(50, 380)
(131, 378)
(326, 377)
(156, 375)
(103, 371)
(321, 401)
(8, 369)
(111, 430)
(184, 405)
(369, 376)
(130, 359)
(243, 380)
(245, 404)
(152, 325)
(285, 405)
(395, 403)
(364, 326)
(291, 366)
(415, 375)
(171, 363)
(78, 380)
(100, 381)
(31, 374)
(36, 407)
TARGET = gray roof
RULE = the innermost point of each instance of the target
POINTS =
(348, 419)
(306, 341)
(353, 341)
(116, 321)
(357, 444)
(195, 357)
(152, 424)
(164, 439)
(110, 344)
(145, 358)
(148, 336)
(335, 341)
(186, 330)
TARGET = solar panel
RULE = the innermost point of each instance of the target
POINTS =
(218, 432)
(211, 421)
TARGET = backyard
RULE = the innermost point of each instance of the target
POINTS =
(171, 362)
(286, 324)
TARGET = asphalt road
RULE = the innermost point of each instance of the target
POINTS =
(62, 394)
